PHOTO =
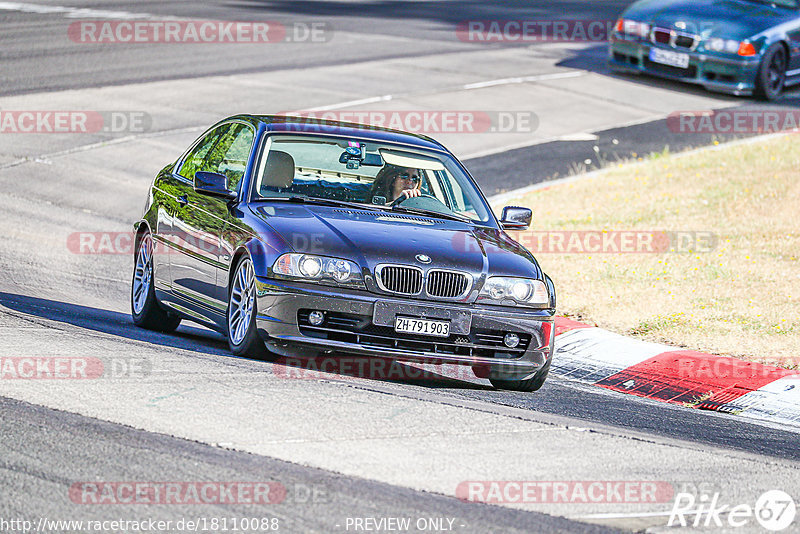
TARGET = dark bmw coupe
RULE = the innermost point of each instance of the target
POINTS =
(741, 47)
(295, 237)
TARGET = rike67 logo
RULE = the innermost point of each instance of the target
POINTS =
(775, 510)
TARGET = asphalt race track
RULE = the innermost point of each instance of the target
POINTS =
(343, 447)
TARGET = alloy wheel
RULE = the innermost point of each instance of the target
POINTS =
(240, 309)
(776, 71)
(143, 275)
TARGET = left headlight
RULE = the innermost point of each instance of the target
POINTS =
(508, 291)
(715, 44)
(312, 268)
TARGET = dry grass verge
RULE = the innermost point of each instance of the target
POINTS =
(740, 299)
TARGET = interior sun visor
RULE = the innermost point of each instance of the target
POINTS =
(411, 160)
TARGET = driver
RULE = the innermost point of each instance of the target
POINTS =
(392, 182)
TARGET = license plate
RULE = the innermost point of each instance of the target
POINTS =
(386, 312)
(425, 327)
(667, 57)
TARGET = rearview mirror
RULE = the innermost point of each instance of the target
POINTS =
(368, 160)
(213, 184)
(515, 218)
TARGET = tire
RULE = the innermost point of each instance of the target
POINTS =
(243, 337)
(771, 75)
(145, 310)
(532, 384)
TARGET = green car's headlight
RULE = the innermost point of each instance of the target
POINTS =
(311, 268)
(728, 46)
(508, 291)
(633, 28)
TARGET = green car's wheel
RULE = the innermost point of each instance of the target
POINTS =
(771, 75)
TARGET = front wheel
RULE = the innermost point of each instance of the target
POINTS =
(243, 337)
(532, 384)
(771, 75)
(145, 309)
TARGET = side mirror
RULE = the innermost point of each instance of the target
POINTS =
(515, 218)
(213, 184)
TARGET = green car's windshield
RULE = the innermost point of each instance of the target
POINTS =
(782, 3)
(368, 174)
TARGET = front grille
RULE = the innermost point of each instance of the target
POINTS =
(399, 279)
(674, 39)
(447, 284)
(359, 329)
(685, 41)
(661, 36)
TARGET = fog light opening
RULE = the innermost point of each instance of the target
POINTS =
(511, 340)
(316, 318)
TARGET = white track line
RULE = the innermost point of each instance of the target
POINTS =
(75, 12)
(524, 79)
(360, 102)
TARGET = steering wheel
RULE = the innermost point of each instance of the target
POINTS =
(403, 198)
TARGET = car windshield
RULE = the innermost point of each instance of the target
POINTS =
(370, 174)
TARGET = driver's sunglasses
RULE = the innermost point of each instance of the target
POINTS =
(413, 177)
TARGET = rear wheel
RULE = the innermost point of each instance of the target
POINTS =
(243, 335)
(532, 384)
(771, 75)
(145, 309)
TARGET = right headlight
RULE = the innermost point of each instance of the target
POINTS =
(312, 268)
(633, 28)
(510, 291)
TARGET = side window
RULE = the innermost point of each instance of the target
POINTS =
(194, 160)
(224, 150)
(229, 156)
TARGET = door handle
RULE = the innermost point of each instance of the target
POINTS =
(183, 200)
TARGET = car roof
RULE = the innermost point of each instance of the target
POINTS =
(308, 125)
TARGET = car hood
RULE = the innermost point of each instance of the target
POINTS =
(730, 19)
(373, 237)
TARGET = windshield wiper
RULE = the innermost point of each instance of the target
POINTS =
(356, 205)
(420, 211)
(324, 202)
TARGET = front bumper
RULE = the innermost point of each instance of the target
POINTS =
(352, 326)
(733, 75)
